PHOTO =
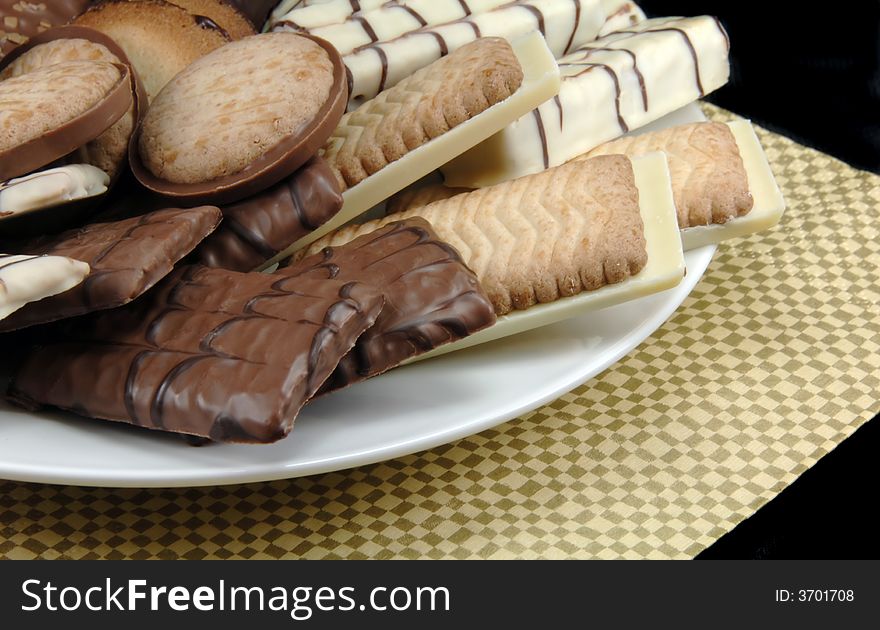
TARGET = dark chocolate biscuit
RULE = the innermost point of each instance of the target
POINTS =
(211, 353)
(256, 229)
(126, 257)
(431, 297)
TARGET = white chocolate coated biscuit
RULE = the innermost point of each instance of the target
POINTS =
(51, 188)
(26, 279)
(565, 25)
(611, 86)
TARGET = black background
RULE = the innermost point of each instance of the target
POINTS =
(811, 72)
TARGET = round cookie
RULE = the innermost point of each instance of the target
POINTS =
(109, 151)
(48, 113)
(221, 13)
(159, 38)
(241, 119)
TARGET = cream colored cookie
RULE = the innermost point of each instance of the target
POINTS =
(159, 38)
(709, 180)
(231, 107)
(422, 107)
(539, 238)
(38, 102)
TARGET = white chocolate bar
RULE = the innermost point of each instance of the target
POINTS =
(665, 268)
(618, 83)
(619, 15)
(308, 14)
(540, 82)
(25, 279)
(390, 20)
(566, 24)
(51, 188)
(769, 203)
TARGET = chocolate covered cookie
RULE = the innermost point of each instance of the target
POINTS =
(48, 113)
(241, 119)
(109, 151)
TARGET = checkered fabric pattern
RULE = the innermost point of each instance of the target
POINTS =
(772, 362)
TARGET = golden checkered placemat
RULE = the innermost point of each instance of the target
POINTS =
(772, 362)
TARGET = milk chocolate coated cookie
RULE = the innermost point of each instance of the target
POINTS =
(160, 39)
(241, 119)
(211, 353)
(258, 228)
(431, 297)
(109, 151)
(126, 257)
(48, 113)
(20, 20)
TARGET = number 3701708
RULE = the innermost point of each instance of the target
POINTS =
(815, 595)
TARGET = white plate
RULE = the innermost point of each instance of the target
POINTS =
(411, 409)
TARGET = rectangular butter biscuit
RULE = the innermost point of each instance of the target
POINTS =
(709, 181)
(422, 107)
(539, 238)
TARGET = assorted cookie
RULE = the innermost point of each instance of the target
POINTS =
(224, 128)
(160, 38)
(109, 151)
(241, 153)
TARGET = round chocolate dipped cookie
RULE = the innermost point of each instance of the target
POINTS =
(109, 151)
(241, 119)
(19, 20)
(49, 113)
(222, 13)
(159, 38)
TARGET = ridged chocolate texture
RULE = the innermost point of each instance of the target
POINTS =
(211, 353)
(431, 297)
(256, 229)
(126, 257)
(19, 21)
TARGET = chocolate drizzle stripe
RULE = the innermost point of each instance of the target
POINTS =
(608, 69)
(383, 58)
(465, 7)
(415, 14)
(7, 265)
(299, 208)
(539, 16)
(688, 43)
(545, 150)
(577, 23)
(723, 32)
(558, 102)
(156, 408)
(368, 28)
(639, 76)
(355, 6)
(441, 43)
(250, 238)
(128, 397)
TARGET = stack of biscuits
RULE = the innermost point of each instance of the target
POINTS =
(183, 189)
